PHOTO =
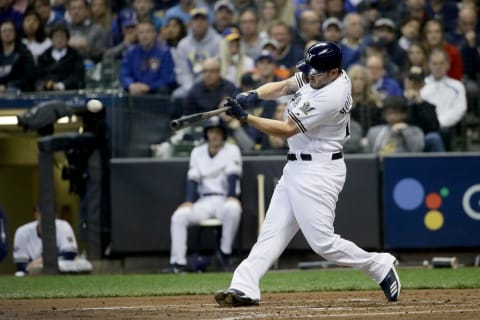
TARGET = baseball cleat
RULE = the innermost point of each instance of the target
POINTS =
(391, 285)
(234, 298)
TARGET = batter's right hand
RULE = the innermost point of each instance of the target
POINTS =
(236, 109)
(247, 99)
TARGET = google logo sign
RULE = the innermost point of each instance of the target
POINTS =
(409, 194)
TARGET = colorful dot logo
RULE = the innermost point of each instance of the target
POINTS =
(409, 194)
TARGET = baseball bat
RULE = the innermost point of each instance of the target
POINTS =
(191, 119)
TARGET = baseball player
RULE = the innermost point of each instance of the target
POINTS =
(212, 191)
(28, 247)
(316, 126)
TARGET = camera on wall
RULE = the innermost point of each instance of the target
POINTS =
(77, 147)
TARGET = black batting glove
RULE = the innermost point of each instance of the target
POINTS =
(236, 109)
(247, 99)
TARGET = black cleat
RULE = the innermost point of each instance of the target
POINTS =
(175, 268)
(391, 285)
(234, 298)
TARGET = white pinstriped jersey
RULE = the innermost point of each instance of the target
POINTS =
(211, 172)
(322, 115)
(27, 245)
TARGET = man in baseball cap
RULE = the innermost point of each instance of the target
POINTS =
(223, 15)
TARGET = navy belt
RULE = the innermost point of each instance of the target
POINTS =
(212, 194)
(308, 157)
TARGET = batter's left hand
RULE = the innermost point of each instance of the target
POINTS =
(236, 110)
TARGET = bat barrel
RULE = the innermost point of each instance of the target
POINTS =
(175, 124)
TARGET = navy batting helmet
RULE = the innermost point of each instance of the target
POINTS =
(321, 57)
(215, 122)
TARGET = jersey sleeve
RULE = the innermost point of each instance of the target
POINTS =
(193, 168)
(301, 80)
(234, 166)
(66, 241)
(20, 253)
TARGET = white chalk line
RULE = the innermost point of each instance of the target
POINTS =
(370, 314)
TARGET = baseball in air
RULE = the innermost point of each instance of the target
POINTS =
(94, 105)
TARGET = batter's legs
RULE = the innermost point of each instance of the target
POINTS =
(277, 231)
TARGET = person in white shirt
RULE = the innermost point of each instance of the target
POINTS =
(316, 125)
(447, 94)
(28, 246)
(213, 190)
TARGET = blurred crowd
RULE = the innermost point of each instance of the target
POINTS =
(414, 64)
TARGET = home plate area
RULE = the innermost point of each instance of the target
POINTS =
(413, 304)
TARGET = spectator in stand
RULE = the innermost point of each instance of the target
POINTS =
(410, 32)
(59, 6)
(396, 136)
(34, 37)
(48, 16)
(147, 67)
(332, 31)
(101, 15)
(367, 104)
(89, 39)
(128, 23)
(268, 14)
(172, 33)
(8, 13)
(308, 28)
(123, 18)
(21, 5)
(224, 13)
(413, 9)
(385, 29)
(433, 37)
(354, 32)
(183, 11)
(467, 39)
(202, 42)
(286, 10)
(369, 10)
(248, 23)
(317, 6)
(383, 84)
(422, 113)
(234, 61)
(335, 8)
(17, 66)
(265, 67)
(211, 91)
(288, 54)
(61, 66)
(271, 45)
(416, 56)
(243, 5)
(377, 47)
(446, 93)
(144, 11)
(445, 12)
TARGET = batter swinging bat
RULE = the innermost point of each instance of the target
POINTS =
(191, 119)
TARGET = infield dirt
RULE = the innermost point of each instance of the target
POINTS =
(358, 305)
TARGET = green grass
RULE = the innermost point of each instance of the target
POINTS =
(75, 286)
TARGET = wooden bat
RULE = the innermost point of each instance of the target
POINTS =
(191, 119)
